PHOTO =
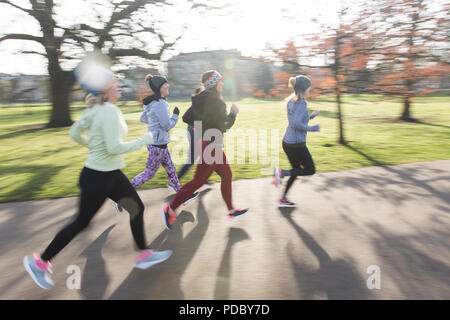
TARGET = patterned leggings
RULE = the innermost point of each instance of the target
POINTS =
(156, 158)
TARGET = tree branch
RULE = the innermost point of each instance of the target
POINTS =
(33, 52)
(114, 53)
(20, 36)
(16, 6)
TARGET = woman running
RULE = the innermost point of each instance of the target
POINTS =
(209, 108)
(101, 177)
(188, 118)
(294, 140)
(157, 115)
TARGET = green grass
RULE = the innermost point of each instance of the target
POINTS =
(42, 163)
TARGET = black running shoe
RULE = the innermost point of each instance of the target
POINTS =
(285, 204)
(195, 195)
(237, 213)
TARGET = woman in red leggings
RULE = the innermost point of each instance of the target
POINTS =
(211, 119)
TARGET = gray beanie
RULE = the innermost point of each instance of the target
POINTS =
(302, 83)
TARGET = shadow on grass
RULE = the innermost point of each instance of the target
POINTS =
(429, 124)
(30, 129)
(371, 159)
(40, 176)
(328, 114)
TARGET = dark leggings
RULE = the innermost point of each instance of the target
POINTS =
(96, 186)
(301, 162)
(184, 169)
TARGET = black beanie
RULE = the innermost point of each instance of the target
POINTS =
(155, 83)
(302, 83)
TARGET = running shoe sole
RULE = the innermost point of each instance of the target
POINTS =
(286, 205)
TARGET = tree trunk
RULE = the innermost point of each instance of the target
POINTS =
(406, 114)
(341, 123)
(61, 83)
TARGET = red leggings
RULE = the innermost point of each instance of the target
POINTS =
(202, 173)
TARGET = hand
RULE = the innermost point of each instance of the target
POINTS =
(234, 108)
(315, 113)
(315, 128)
(148, 138)
(176, 111)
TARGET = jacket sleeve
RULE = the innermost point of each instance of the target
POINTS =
(161, 112)
(77, 129)
(300, 119)
(111, 131)
(144, 115)
(231, 118)
(188, 116)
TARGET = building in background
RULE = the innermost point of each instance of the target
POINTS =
(242, 75)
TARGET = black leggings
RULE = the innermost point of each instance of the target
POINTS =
(301, 162)
(96, 186)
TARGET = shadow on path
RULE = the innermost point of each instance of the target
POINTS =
(338, 279)
(222, 287)
(95, 279)
(163, 280)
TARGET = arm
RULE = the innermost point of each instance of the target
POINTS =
(300, 120)
(314, 114)
(79, 126)
(188, 116)
(163, 118)
(111, 131)
(230, 120)
(144, 117)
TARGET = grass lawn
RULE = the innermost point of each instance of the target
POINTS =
(42, 163)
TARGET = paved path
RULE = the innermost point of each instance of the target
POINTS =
(393, 217)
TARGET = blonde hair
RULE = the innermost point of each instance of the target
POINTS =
(147, 79)
(92, 100)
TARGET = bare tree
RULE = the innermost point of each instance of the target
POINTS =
(120, 29)
(411, 47)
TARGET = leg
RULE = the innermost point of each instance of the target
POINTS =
(123, 192)
(151, 166)
(191, 157)
(307, 163)
(295, 163)
(202, 173)
(224, 171)
(94, 185)
(167, 163)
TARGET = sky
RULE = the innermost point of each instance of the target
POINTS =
(248, 26)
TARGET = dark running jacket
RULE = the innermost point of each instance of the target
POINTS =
(211, 110)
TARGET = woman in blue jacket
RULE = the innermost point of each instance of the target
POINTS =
(157, 115)
(294, 140)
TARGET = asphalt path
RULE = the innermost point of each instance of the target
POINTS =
(373, 233)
